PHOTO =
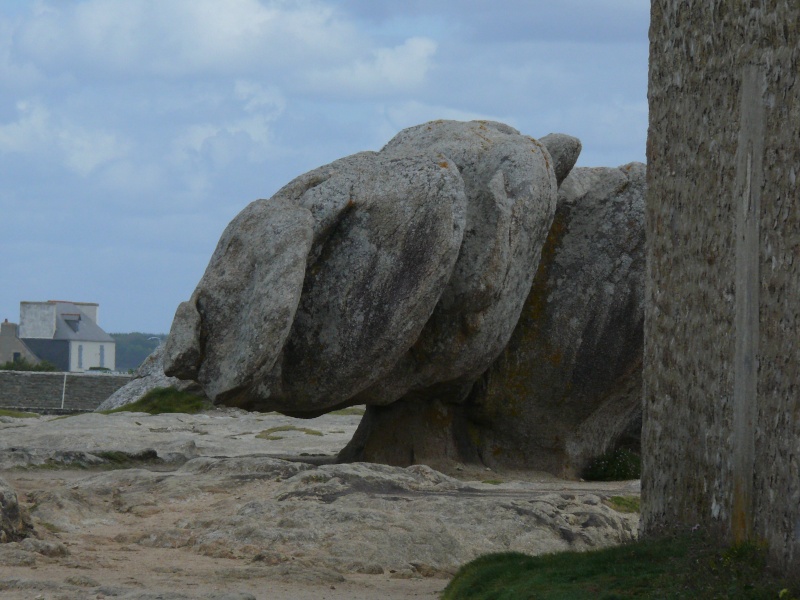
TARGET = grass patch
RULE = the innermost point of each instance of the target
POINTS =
(617, 465)
(352, 411)
(15, 414)
(117, 458)
(50, 527)
(268, 434)
(684, 567)
(624, 504)
(111, 460)
(165, 400)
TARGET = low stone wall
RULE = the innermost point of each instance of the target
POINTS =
(57, 392)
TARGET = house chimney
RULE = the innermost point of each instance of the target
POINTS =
(8, 329)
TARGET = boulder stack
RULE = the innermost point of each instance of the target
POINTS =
(377, 276)
(478, 294)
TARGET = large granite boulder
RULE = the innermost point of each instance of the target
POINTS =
(510, 184)
(14, 521)
(377, 277)
(567, 386)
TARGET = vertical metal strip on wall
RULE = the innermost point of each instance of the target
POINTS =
(749, 181)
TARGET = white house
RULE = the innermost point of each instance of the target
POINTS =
(67, 335)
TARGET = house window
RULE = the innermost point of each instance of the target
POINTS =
(17, 357)
(102, 355)
(80, 356)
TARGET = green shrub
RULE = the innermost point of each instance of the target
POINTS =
(25, 365)
(618, 465)
(166, 400)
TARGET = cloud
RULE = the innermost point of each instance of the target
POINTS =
(257, 98)
(128, 179)
(85, 150)
(14, 75)
(247, 136)
(386, 71)
(38, 133)
(28, 133)
(304, 45)
(183, 37)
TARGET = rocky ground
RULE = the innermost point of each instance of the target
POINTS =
(234, 505)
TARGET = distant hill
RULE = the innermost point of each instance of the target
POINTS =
(133, 348)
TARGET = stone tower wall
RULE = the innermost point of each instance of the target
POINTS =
(721, 437)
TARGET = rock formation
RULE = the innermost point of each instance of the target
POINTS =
(375, 277)
(14, 522)
(567, 387)
(402, 280)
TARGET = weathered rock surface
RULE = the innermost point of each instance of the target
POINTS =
(568, 385)
(510, 186)
(370, 241)
(343, 518)
(564, 149)
(232, 515)
(14, 522)
(94, 440)
(378, 275)
(148, 376)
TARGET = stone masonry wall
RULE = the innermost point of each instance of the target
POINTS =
(42, 392)
(721, 438)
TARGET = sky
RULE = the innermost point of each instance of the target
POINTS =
(133, 131)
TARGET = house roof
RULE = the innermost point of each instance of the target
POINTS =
(72, 324)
